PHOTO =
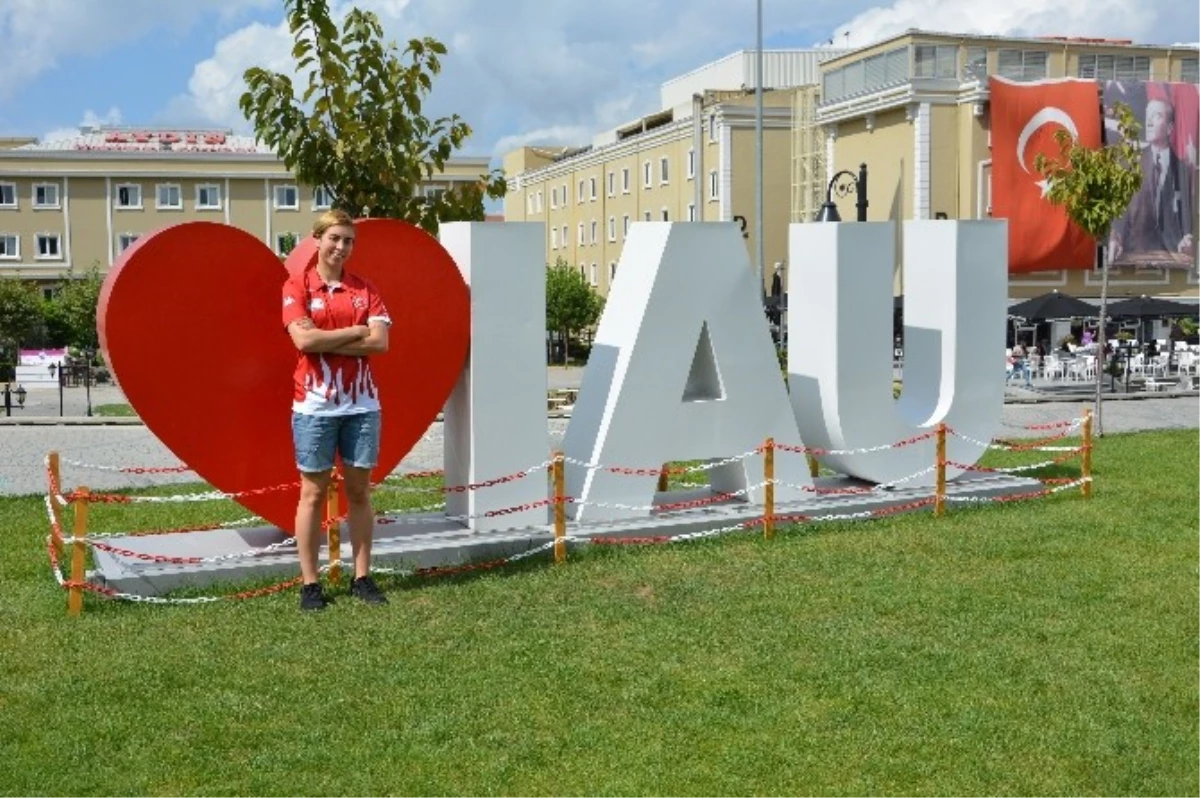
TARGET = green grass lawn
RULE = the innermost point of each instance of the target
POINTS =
(114, 409)
(1036, 648)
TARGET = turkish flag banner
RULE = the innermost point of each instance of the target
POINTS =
(1024, 117)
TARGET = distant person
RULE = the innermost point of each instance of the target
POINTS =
(337, 320)
(1020, 365)
(1161, 216)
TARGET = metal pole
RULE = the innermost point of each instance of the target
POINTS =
(7, 400)
(61, 379)
(758, 157)
(87, 381)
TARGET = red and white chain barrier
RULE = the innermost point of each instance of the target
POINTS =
(57, 541)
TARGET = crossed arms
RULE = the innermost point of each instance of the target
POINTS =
(357, 341)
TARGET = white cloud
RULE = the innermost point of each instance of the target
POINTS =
(90, 118)
(35, 34)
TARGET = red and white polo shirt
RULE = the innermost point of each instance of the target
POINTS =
(329, 384)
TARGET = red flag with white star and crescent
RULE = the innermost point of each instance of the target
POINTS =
(1024, 118)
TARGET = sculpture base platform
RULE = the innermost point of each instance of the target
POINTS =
(424, 540)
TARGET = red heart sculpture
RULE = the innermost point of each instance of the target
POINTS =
(190, 323)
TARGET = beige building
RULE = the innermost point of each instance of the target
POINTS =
(68, 204)
(692, 160)
(915, 109)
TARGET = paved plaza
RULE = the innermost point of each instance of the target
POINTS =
(37, 429)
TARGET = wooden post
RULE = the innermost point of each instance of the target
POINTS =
(663, 481)
(54, 490)
(1087, 454)
(560, 509)
(335, 532)
(939, 504)
(78, 553)
(769, 489)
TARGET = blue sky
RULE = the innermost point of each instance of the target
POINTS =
(519, 71)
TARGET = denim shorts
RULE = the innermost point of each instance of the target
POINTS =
(318, 438)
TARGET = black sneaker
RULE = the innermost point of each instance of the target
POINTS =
(312, 597)
(364, 588)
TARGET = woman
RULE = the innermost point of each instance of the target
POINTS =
(336, 320)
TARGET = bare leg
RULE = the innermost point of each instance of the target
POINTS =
(360, 516)
(309, 513)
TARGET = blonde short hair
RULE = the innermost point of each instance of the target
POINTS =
(331, 218)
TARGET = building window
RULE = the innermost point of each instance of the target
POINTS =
(8, 195)
(691, 217)
(583, 271)
(612, 271)
(322, 199)
(564, 236)
(664, 170)
(862, 77)
(45, 195)
(1021, 65)
(712, 127)
(1114, 67)
(168, 197)
(553, 238)
(129, 195)
(935, 61)
(553, 198)
(208, 197)
(566, 198)
(713, 186)
(287, 198)
(612, 228)
(666, 215)
(592, 188)
(691, 164)
(975, 67)
(647, 174)
(440, 192)
(1189, 70)
(529, 204)
(612, 183)
(581, 196)
(125, 241)
(10, 247)
(593, 230)
(49, 246)
(595, 279)
(580, 231)
(625, 226)
(625, 180)
(648, 216)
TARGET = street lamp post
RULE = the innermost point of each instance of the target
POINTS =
(841, 184)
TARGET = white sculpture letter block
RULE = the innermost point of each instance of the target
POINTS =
(495, 421)
(682, 368)
(840, 331)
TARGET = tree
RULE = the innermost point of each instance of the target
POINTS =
(71, 313)
(571, 303)
(20, 314)
(358, 128)
(1095, 186)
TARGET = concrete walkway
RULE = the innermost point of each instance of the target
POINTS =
(37, 429)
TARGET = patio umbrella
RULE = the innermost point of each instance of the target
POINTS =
(1149, 307)
(1054, 305)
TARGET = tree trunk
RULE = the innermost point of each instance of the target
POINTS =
(1098, 426)
(566, 346)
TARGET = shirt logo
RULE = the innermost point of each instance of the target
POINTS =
(316, 304)
(359, 302)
